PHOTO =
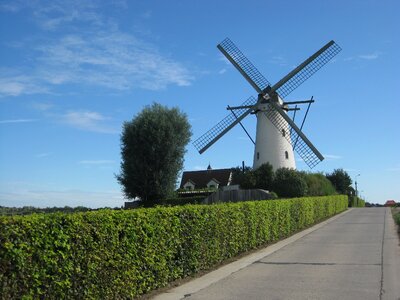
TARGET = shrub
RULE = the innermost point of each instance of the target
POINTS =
(396, 216)
(355, 201)
(289, 183)
(111, 254)
(318, 185)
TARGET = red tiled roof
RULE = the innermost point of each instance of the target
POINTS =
(390, 202)
(201, 178)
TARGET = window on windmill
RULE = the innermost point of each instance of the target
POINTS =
(283, 132)
(286, 155)
(258, 155)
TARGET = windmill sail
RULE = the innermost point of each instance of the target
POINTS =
(244, 66)
(226, 124)
(306, 69)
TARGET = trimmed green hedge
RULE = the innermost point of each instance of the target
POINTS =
(396, 216)
(122, 254)
(356, 202)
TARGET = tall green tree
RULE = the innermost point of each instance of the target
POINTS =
(340, 180)
(264, 176)
(153, 145)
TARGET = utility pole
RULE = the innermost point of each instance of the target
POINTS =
(355, 183)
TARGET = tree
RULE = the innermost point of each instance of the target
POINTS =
(243, 177)
(340, 180)
(152, 149)
(289, 183)
(318, 185)
(264, 176)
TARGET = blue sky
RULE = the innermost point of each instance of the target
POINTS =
(71, 72)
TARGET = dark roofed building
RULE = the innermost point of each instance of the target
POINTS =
(206, 179)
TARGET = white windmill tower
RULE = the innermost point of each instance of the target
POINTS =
(276, 135)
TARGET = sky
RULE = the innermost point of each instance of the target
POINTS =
(72, 72)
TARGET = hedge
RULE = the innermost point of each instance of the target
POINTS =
(121, 254)
(355, 201)
(396, 216)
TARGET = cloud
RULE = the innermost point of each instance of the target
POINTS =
(222, 71)
(87, 120)
(222, 58)
(95, 54)
(278, 60)
(15, 85)
(370, 56)
(332, 156)
(42, 106)
(110, 59)
(17, 121)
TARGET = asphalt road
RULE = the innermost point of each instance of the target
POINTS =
(355, 255)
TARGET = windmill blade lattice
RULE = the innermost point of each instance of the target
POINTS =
(226, 124)
(244, 66)
(304, 148)
(307, 69)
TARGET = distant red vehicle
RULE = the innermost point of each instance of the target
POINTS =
(390, 203)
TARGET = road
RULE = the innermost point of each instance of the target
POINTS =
(355, 255)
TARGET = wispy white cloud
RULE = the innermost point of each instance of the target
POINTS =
(15, 85)
(42, 106)
(332, 156)
(42, 155)
(222, 71)
(59, 13)
(97, 54)
(17, 121)
(12, 6)
(147, 14)
(87, 120)
(278, 60)
(370, 56)
(224, 59)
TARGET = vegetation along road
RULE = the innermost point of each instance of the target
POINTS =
(353, 256)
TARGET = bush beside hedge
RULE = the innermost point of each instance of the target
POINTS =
(122, 254)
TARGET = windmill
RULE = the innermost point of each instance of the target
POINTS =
(277, 135)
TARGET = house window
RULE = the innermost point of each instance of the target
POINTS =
(188, 187)
(286, 155)
(211, 186)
